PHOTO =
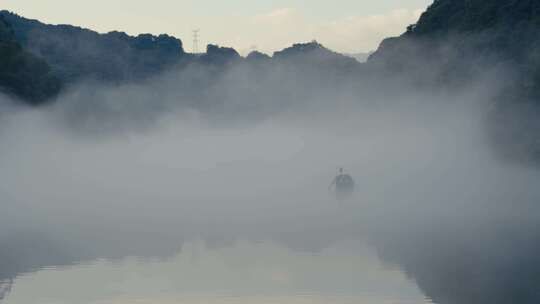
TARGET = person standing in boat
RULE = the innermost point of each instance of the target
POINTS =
(342, 185)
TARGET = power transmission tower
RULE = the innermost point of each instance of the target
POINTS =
(196, 41)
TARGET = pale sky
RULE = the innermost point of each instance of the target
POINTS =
(348, 26)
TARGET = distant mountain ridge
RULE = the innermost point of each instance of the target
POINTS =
(314, 53)
(457, 38)
(453, 41)
(22, 74)
(76, 53)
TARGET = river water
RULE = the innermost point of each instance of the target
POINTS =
(240, 272)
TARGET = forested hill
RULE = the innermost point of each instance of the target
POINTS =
(22, 74)
(458, 41)
(457, 38)
(76, 53)
(453, 41)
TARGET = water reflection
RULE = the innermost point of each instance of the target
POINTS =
(245, 272)
(5, 288)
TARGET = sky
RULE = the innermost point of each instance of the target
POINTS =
(347, 26)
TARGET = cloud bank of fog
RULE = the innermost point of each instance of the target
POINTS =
(109, 172)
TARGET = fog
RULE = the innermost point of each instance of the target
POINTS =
(139, 170)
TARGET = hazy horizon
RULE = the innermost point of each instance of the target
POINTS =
(344, 26)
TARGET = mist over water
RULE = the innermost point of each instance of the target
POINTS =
(141, 170)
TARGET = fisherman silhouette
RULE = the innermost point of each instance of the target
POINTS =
(342, 185)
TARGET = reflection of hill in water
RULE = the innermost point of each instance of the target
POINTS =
(323, 224)
(242, 272)
(5, 288)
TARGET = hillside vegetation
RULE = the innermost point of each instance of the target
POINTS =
(22, 74)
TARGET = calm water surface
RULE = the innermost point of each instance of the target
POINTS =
(244, 272)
